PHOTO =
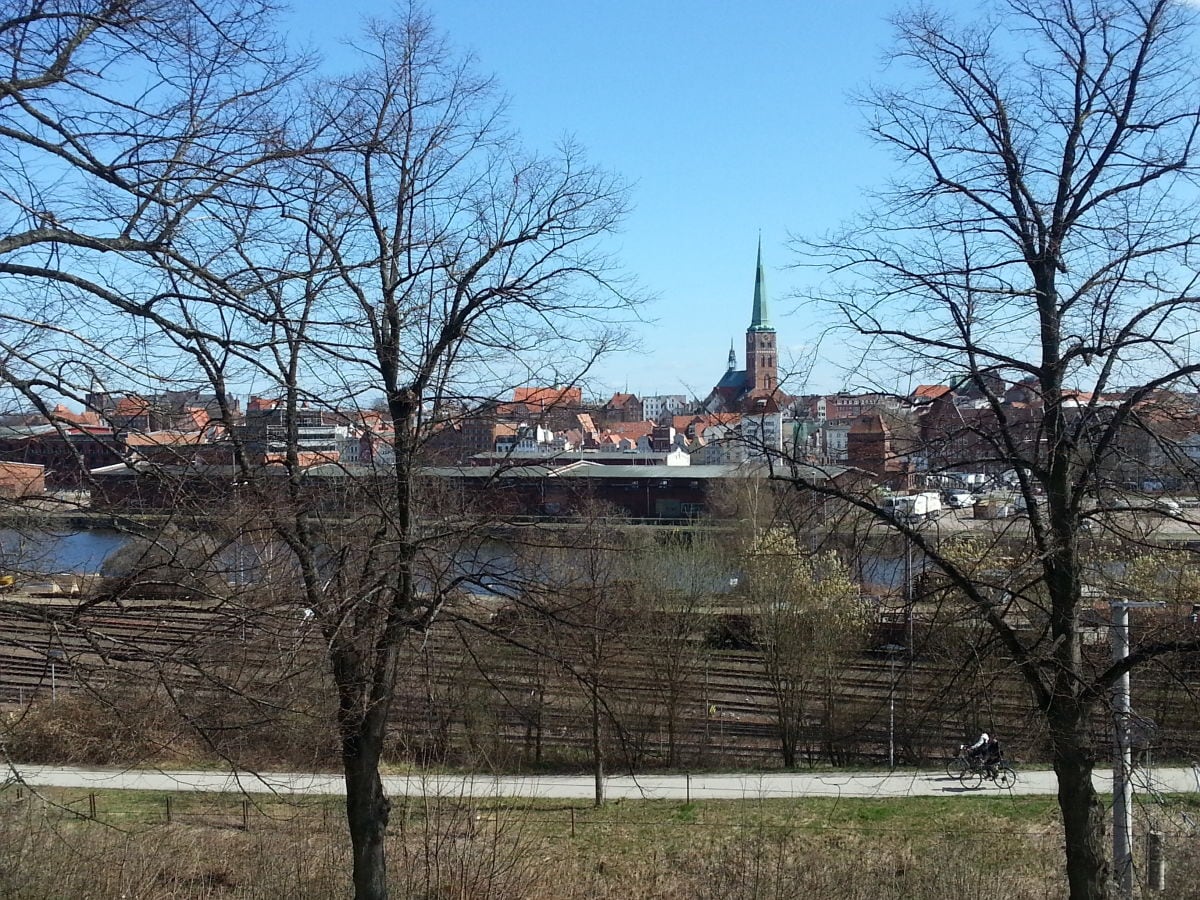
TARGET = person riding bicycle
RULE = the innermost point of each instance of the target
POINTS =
(975, 753)
(991, 757)
(984, 753)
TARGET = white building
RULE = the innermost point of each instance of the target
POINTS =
(751, 437)
(662, 406)
(835, 441)
(762, 435)
(531, 439)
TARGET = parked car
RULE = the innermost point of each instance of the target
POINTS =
(959, 499)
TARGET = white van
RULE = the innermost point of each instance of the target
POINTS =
(959, 499)
(913, 507)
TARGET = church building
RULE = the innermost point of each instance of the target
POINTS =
(754, 389)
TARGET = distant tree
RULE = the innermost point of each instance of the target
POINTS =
(808, 620)
(586, 600)
(677, 579)
(1039, 228)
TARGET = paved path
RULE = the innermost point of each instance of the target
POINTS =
(576, 787)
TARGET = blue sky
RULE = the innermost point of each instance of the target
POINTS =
(727, 118)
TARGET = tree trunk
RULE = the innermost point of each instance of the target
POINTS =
(367, 814)
(1083, 818)
(537, 736)
(672, 748)
(787, 744)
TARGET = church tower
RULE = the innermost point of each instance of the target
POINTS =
(762, 368)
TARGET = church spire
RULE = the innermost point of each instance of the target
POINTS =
(732, 357)
(760, 320)
(762, 366)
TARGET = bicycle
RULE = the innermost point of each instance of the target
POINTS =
(956, 765)
(1001, 774)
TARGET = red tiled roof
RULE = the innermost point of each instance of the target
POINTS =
(164, 438)
(930, 391)
(199, 417)
(631, 429)
(681, 423)
(131, 406)
(548, 396)
(62, 414)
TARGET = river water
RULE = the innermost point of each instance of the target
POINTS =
(47, 551)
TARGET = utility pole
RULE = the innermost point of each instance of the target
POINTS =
(891, 650)
(1122, 752)
(56, 656)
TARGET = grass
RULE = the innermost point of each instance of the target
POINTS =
(213, 845)
(224, 845)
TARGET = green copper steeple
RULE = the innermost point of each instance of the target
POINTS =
(761, 319)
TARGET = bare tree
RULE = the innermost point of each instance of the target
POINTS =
(126, 127)
(678, 579)
(1039, 231)
(587, 606)
(434, 261)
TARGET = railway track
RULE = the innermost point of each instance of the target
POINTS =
(725, 713)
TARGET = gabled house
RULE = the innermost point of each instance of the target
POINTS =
(622, 408)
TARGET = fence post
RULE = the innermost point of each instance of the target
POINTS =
(245, 814)
(572, 821)
(1156, 862)
(92, 806)
(168, 804)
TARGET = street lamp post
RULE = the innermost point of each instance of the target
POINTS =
(1122, 751)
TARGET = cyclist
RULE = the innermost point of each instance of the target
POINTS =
(975, 753)
(991, 757)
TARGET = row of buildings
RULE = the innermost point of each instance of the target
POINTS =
(935, 431)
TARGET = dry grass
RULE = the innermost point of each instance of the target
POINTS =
(456, 849)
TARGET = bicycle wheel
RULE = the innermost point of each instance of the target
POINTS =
(1006, 776)
(955, 766)
(971, 779)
